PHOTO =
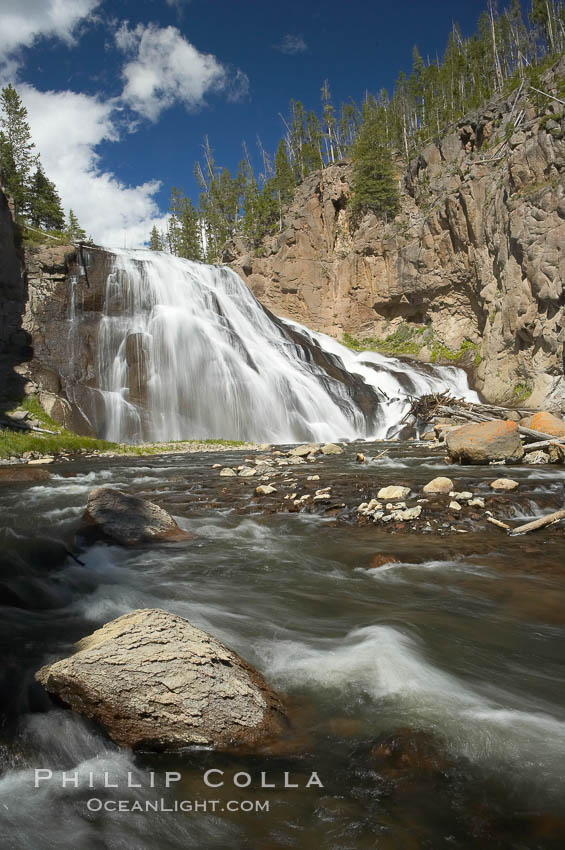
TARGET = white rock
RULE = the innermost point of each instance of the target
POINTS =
(313, 478)
(504, 484)
(303, 451)
(476, 503)
(331, 449)
(393, 492)
(409, 513)
(455, 506)
(463, 496)
(228, 472)
(438, 485)
(265, 490)
(247, 472)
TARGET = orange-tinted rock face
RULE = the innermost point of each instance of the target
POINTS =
(485, 441)
(547, 423)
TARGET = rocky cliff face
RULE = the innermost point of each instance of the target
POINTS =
(475, 258)
(14, 342)
(66, 292)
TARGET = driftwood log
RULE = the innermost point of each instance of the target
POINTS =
(542, 522)
(442, 404)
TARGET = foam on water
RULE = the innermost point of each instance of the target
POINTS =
(389, 667)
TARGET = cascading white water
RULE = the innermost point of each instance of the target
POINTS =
(187, 352)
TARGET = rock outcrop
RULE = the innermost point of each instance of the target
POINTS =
(128, 519)
(66, 292)
(154, 681)
(485, 441)
(476, 254)
(14, 341)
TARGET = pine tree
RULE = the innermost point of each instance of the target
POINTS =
(16, 146)
(331, 141)
(45, 208)
(156, 240)
(283, 182)
(374, 183)
(74, 230)
(184, 227)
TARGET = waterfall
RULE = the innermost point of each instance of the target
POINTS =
(185, 351)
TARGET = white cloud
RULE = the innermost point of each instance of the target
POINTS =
(24, 21)
(166, 68)
(292, 44)
(106, 208)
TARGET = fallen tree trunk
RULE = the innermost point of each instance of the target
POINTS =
(544, 444)
(470, 414)
(549, 519)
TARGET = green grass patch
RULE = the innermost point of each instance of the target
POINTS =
(522, 391)
(30, 237)
(15, 443)
(409, 340)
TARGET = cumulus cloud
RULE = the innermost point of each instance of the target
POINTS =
(291, 44)
(109, 210)
(166, 68)
(24, 21)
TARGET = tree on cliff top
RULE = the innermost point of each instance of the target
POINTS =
(184, 227)
(74, 230)
(45, 204)
(374, 182)
(16, 146)
(157, 240)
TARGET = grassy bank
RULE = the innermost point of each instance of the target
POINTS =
(17, 443)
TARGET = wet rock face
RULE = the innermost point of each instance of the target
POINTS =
(154, 681)
(476, 252)
(485, 441)
(66, 293)
(129, 520)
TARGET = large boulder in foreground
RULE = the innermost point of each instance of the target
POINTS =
(485, 441)
(128, 519)
(545, 422)
(154, 681)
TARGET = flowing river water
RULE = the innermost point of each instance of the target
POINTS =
(427, 694)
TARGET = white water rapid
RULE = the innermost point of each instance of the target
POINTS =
(187, 352)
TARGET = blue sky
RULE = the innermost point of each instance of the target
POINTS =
(121, 94)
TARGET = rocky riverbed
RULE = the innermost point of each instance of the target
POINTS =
(422, 670)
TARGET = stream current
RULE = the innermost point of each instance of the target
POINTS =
(426, 694)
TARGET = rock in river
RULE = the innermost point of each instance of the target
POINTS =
(485, 441)
(128, 519)
(545, 422)
(439, 485)
(331, 449)
(504, 484)
(154, 681)
(393, 492)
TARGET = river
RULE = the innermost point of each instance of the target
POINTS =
(426, 694)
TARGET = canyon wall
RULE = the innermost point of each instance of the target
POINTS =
(14, 341)
(475, 258)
